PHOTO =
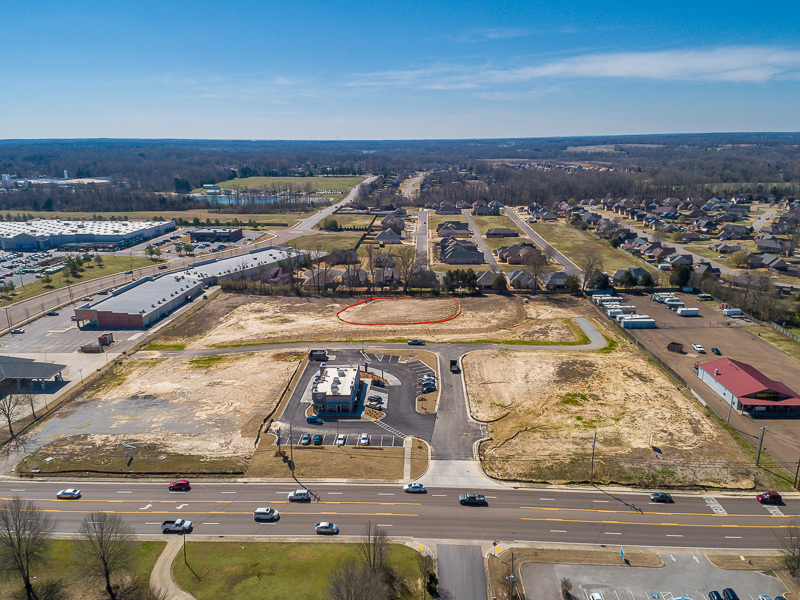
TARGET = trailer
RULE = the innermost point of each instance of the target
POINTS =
(609, 300)
(624, 317)
(732, 312)
(614, 313)
(627, 309)
(639, 324)
(663, 296)
(688, 312)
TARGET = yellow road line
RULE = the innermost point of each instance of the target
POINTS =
(261, 501)
(218, 512)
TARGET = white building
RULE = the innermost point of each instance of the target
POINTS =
(335, 389)
(41, 234)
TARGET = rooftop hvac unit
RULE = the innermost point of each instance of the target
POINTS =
(716, 371)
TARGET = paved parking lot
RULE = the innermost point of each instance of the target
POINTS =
(682, 576)
(399, 397)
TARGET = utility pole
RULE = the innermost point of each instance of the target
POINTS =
(760, 443)
(594, 443)
(291, 446)
(730, 410)
(511, 579)
(797, 474)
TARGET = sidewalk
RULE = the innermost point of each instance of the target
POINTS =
(161, 577)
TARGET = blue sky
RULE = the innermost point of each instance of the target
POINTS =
(396, 70)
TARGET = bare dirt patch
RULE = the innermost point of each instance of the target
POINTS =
(545, 408)
(233, 319)
(401, 310)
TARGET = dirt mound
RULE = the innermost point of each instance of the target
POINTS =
(400, 311)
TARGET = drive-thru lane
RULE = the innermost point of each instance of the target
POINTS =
(522, 515)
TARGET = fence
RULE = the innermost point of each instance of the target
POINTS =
(784, 331)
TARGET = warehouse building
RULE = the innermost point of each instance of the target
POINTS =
(216, 234)
(335, 389)
(41, 234)
(244, 265)
(746, 388)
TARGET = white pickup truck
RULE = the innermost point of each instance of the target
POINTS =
(176, 526)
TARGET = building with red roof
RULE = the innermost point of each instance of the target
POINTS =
(746, 388)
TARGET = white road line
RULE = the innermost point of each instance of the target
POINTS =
(210, 523)
(558, 531)
(383, 525)
(16, 490)
(674, 535)
(525, 541)
(336, 493)
(733, 537)
(227, 492)
(548, 499)
(152, 523)
(613, 532)
(495, 497)
(384, 494)
(599, 500)
(124, 492)
(439, 495)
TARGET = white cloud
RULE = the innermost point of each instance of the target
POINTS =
(487, 34)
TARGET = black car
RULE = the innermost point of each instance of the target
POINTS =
(729, 594)
(714, 595)
(52, 313)
(660, 497)
(471, 499)
(716, 351)
(378, 383)
(416, 342)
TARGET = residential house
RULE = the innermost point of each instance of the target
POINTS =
(453, 229)
(447, 208)
(486, 279)
(383, 261)
(637, 272)
(554, 281)
(676, 260)
(692, 236)
(388, 236)
(497, 232)
(521, 279)
(725, 248)
(733, 232)
(354, 277)
(392, 222)
(706, 270)
(771, 245)
(519, 254)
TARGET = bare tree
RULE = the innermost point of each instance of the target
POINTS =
(589, 262)
(426, 565)
(374, 547)
(353, 580)
(9, 407)
(789, 540)
(549, 253)
(370, 264)
(29, 398)
(24, 535)
(108, 546)
(535, 263)
(566, 588)
(407, 264)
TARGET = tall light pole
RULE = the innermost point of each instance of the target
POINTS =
(594, 444)
(730, 410)
(81, 372)
(760, 443)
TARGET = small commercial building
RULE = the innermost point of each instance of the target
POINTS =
(336, 389)
(746, 388)
(27, 370)
(216, 234)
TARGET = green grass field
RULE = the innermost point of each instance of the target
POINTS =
(339, 184)
(110, 266)
(350, 220)
(327, 242)
(63, 561)
(278, 571)
(282, 219)
(435, 220)
(575, 244)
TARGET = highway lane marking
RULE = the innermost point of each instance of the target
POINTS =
(547, 499)
(16, 490)
(335, 493)
(207, 523)
(599, 500)
(733, 537)
(191, 512)
(727, 525)
(674, 535)
(650, 512)
(558, 531)
(384, 494)
(384, 525)
(211, 501)
(152, 523)
(613, 532)
(439, 495)
(227, 492)
(124, 492)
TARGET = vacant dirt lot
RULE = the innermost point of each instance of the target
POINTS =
(207, 407)
(545, 408)
(401, 310)
(232, 319)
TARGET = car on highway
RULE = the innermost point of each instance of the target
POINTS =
(128, 272)
(378, 383)
(176, 526)
(769, 498)
(472, 499)
(314, 420)
(716, 351)
(414, 488)
(17, 330)
(163, 267)
(318, 439)
(416, 342)
(341, 439)
(698, 348)
(660, 497)
(326, 528)
(364, 440)
(180, 485)
(299, 496)
(729, 594)
(52, 313)
(87, 299)
(265, 513)
(305, 439)
(69, 494)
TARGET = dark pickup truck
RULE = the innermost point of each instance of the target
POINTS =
(454, 366)
(472, 499)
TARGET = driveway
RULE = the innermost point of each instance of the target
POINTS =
(476, 233)
(570, 268)
(422, 237)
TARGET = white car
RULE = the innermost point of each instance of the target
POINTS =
(265, 513)
(326, 527)
(69, 494)
(299, 496)
(414, 488)
(364, 441)
(698, 348)
(341, 440)
(595, 596)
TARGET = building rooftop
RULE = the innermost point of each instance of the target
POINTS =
(749, 384)
(147, 295)
(228, 266)
(335, 380)
(50, 227)
(215, 230)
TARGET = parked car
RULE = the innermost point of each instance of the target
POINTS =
(716, 351)
(660, 497)
(52, 313)
(595, 596)
(305, 439)
(375, 398)
(416, 342)
(314, 420)
(454, 366)
(378, 383)
(17, 330)
(266, 514)
(414, 488)
(318, 439)
(69, 494)
(364, 440)
(763, 597)
(181, 485)
(341, 439)
(472, 499)
(698, 348)
(428, 388)
(714, 595)
(299, 496)
(769, 498)
(326, 528)
(729, 594)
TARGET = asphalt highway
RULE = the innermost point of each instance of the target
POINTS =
(521, 515)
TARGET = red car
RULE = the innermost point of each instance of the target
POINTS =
(769, 498)
(180, 485)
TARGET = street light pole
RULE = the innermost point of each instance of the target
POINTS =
(730, 410)
(594, 443)
(760, 443)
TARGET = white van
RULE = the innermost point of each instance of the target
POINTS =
(265, 513)
(299, 496)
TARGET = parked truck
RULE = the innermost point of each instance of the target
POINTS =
(176, 526)
(454, 366)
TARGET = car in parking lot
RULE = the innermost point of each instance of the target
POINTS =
(375, 398)
(472, 499)
(428, 388)
(763, 597)
(414, 488)
(364, 440)
(314, 420)
(698, 348)
(318, 439)
(595, 596)
(729, 594)
(17, 330)
(714, 595)
(378, 383)
(299, 496)
(426, 379)
(769, 498)
(716, 351)
(181, 485)
(416, 342)
(265, 513)
(68, 494)
(326, 528)
(341, 439)
(52, 313)
(660, 497)
(305, 439)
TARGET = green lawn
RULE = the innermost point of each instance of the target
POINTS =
(63, 561)
(782, 342)
(278, 571)
(110, 266)
(350, 220)
(278, 219)
(340, 184)
(327, 242)
(575, 244)
(435, 220)
(485, 223)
